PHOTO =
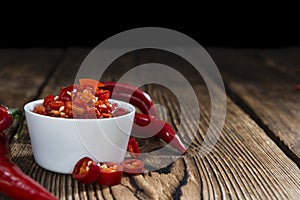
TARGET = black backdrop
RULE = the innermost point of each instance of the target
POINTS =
(259, 25)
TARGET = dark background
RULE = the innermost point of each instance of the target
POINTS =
(257, 25)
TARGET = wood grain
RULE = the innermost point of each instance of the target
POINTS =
(263, 83)
(244, 164)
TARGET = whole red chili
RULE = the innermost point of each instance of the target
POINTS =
(86, 171)
(164, 132)
(144, 102)
(13, 182)
(8, 115)
(136, 96)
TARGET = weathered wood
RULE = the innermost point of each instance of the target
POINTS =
(22, 73)
(263, 82)
(244, 164)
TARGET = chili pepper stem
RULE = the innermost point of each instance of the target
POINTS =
(17, 114)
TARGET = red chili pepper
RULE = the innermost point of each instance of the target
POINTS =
(136, 97)
(86, 171)
(166, 132)
(297, 87)
(110, 173)
(8, 115)
(133, 148)
(133, 166)
(13, 182)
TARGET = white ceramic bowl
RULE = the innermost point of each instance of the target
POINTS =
(58, 143)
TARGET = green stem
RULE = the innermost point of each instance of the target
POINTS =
(17, 114)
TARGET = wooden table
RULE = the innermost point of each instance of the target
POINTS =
(256, 156)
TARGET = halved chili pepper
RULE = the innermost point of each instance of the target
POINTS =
(86, 171)
(110, 173)
(136, 96)
(13, 182)
(133, 147)
(133, 166)
(165, 132)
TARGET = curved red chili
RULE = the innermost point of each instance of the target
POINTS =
(165, 132)
(13, 182)
(110, 173)
(133, 166)
(86, 171)
(136, 96)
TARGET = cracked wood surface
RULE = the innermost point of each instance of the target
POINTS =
(245, 163)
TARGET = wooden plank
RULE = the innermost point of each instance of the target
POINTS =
(263, 82)
(22, 73)
(244, 164)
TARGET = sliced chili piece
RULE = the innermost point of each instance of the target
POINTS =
(133, 148)
(47, 100)
(133, 166)
(110, 173)
(65, 94)
(90, 83)
(86, 171)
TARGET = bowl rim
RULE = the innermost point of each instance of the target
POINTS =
(40, 101)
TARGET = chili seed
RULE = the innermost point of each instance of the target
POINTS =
(61, 108)
(103, 166)
(89, 163)
(87, 169)
(55, 112)
(55, 98)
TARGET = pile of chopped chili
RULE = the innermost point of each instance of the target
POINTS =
(86, 100)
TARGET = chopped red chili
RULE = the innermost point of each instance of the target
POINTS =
(86, 100)
(133, 148)
(86, 171)
(110, 173)
(133, 166)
